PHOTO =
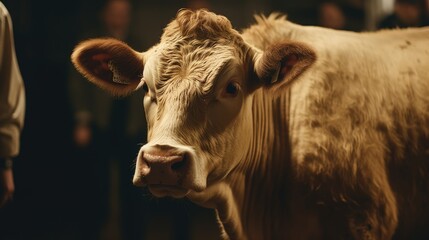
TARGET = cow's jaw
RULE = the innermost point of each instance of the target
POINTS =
(227, 201)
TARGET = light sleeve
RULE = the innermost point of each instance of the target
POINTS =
(12, 94)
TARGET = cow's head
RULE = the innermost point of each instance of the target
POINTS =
(198, 82)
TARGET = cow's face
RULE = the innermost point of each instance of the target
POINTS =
(198, 83)
(192, 108)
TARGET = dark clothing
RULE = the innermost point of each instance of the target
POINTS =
(392, 21)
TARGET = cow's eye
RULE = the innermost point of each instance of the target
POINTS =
(145, 87)
(147, 93)
(231, 89)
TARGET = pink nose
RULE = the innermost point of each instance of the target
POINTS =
(164, 165)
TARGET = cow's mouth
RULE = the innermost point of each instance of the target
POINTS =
(162, 190)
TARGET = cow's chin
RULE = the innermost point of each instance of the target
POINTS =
(161, 190)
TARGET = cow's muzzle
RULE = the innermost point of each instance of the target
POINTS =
(165, 169)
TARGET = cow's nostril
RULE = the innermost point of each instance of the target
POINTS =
(179, 164)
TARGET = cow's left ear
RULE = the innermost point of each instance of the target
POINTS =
(110, 64)
(281, 63)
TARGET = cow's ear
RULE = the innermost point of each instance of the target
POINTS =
(281, 63)
(110, 64)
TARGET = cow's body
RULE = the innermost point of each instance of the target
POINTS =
(335, 148)
(359, 120)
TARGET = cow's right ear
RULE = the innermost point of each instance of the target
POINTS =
(110, 64)
(280, 64)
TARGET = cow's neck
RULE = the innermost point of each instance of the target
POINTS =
(262, 175)
(265, 168)
(244, 200)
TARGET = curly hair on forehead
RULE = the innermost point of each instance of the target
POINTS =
(201, 24)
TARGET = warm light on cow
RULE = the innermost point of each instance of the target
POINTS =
(288, 131)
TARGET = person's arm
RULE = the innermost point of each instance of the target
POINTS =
(12, 106)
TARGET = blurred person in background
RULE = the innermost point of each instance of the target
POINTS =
(12, 106)
(106, 134)
(340, 15)
(331, 15)
(406, 13)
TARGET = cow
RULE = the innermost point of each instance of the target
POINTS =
(287, 131)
